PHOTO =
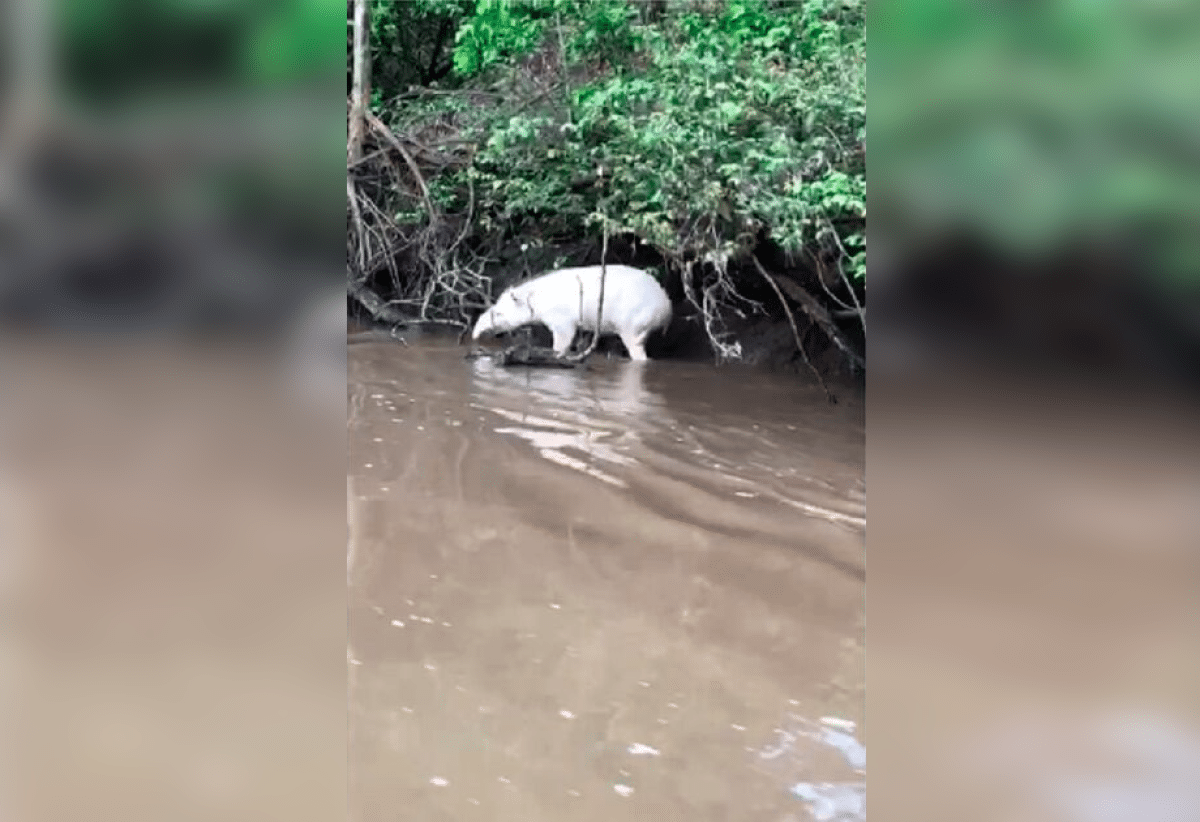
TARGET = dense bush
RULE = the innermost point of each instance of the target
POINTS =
(699, 132)
(124, 49)
(411, 43)
(1038, 126)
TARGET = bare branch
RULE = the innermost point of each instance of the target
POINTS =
(862, 312)
(378, 126)
(792, 322)
(582, 357)
(821, 317)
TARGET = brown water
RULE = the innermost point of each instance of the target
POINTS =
(631, 592)
(171, 556)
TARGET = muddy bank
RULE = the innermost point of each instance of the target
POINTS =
(751, 316)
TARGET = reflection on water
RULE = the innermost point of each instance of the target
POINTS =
(580, 429)
(617, 417)
(1085, 765)
(586, 594)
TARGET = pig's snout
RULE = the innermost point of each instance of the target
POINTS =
(482, 325)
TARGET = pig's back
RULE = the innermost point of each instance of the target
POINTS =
(625, 287)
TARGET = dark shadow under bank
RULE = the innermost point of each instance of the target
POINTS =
(1087, 313)
(755, 319)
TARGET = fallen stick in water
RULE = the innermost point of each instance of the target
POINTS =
(524, 354)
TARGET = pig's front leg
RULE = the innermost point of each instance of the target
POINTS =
(564, 335)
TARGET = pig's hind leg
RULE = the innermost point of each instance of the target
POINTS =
(635, 344)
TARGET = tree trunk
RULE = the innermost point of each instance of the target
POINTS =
(360, 90)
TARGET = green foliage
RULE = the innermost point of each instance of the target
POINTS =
(1036, 125)
(294, 40)
(699, 131)
(126, 48)
(501, 30)
(411, 44)
(498, 29)
(604, 31)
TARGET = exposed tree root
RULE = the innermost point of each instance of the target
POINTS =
(371, 301)
(792, 322)
(816, 312)
(582, 356)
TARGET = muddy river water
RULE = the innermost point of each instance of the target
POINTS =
(634, 591)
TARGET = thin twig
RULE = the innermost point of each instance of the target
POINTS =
(366, 158)
(821, 317)
(821, 279)
(582, 357)
(862, 314)
(431, 92)
(792, 322)
(387, 134)
(359, 228)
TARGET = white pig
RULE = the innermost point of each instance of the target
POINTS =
(565, 300)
